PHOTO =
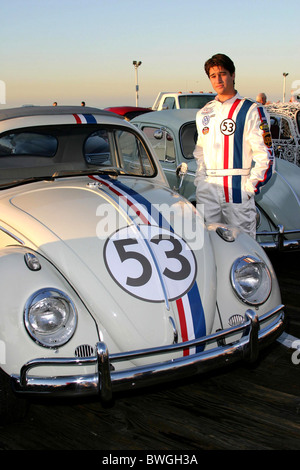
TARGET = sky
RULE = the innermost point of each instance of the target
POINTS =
(73, 50)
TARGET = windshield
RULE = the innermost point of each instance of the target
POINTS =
(194, 101)
(188, 137)
(66, 150)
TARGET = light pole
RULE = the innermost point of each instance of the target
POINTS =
(136, 65)
(284, 78)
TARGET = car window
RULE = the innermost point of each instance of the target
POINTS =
(169, 103)
(131, 154)
(118, 148)
(28, 143)
(280, 128)
(162, 143)
(97, 149)
(194, 101)
(188, 138)
(285, 131)
(275, 126)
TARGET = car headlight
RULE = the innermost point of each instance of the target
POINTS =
(251, 280)
(50, 317)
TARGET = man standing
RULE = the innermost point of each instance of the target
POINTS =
(261, 98)
(233, 151)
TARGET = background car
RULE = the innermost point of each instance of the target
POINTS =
(173, 135)
(110, 280)
(285, 130)
(128, 112)
(181, 100)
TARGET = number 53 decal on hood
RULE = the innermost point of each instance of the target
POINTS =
(150, 262)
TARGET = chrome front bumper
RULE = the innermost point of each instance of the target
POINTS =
(106, 381)
(278, 239)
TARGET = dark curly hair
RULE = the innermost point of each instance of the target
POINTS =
(219, 60)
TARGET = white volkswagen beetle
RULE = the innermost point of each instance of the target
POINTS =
(109, 279)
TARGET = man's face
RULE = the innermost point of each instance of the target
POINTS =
(222, 81)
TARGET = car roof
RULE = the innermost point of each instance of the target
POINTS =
(26, 111)
(175, 117)
(287, 109)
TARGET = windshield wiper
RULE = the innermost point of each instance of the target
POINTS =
(34, 179)
(112, 171)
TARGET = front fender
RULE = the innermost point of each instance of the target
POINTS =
(280, 198)
(18, 283)
(226, 252)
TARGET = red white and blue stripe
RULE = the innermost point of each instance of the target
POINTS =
(189, 306)
(85, 119)
(269, 171)
(237, 162)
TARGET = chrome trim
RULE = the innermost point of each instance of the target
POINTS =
(244, 261)
(12, 235)
(32, 262)
(280, 243)
(106, 380)
(175, 332)
(181, 171)
(171, 170)
(43, 338)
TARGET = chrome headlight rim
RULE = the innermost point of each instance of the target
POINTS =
(260, 274)
(63, 332)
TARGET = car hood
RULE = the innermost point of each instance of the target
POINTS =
(96, 232)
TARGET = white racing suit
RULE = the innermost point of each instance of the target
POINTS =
(234, 159)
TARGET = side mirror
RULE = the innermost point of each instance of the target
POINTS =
(158, 135)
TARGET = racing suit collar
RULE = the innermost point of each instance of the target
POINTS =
(230, 100)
